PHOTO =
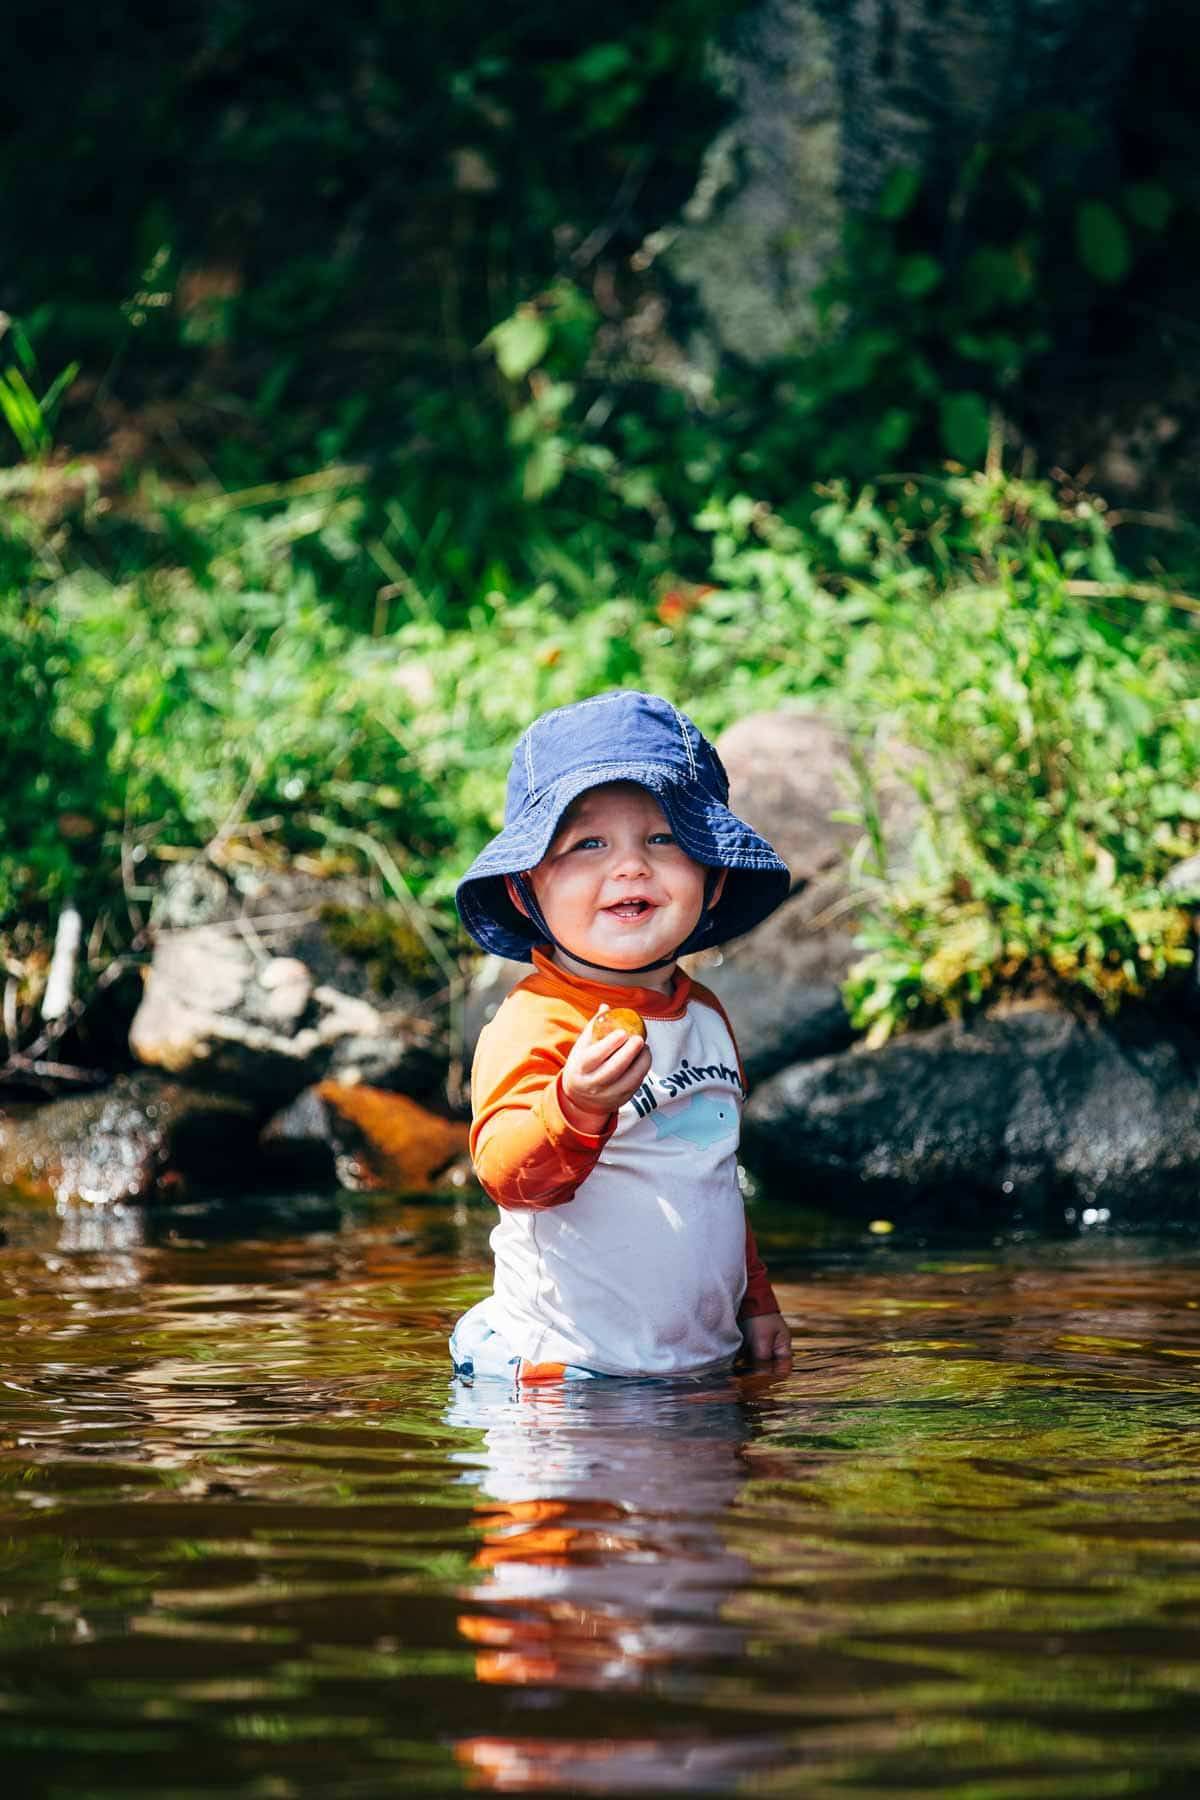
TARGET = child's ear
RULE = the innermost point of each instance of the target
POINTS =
(514, 896)
(718, 890)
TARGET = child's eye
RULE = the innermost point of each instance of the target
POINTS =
(586, 843)
(663, 837)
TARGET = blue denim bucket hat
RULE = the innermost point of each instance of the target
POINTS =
(621, 736)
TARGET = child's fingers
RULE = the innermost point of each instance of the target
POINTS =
(622, 1082)
(610, 1059)
(597, 1033)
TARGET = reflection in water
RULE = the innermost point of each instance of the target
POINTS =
(250, 1550)
(604, 1566)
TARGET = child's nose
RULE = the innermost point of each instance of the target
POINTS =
(631, 860)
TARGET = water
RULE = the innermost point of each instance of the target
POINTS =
(256, 1544)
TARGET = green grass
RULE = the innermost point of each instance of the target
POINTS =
(266, 669)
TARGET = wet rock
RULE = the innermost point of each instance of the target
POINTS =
(299, 1144)
(789, 775)
(386, 1140)
(1033, 1112)
(140, 1139)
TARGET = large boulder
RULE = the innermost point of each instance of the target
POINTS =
(791, 774)
(1035, 1112)
(141, 1139)
(258, 990)
(825, 99)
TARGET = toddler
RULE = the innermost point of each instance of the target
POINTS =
(623, 1247)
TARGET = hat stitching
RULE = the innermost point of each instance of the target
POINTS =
(575, 706)
(687, 742)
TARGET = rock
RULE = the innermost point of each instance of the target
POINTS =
(220, 1009)
(298, 1143)
(1184, 879)
(386, 1140)
(825, 100)
(789, 774)
(1033, 1111)
(492, 981)
(140, 1139)
(764, 223)
(191, 893)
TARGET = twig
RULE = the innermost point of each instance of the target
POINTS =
(234, 817)
(320, 481)
(1145, 591)
(56, 1071)
(627, 192)
(1124, 515)
(60, 982)
(12, 1022)
(834, 911)
(19, 1064)
(128, 883)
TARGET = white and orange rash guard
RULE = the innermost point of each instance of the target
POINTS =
(628, 1252)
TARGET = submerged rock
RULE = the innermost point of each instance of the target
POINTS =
(1032, 1112)
(363, 1137)
(386, 1140)
(141, 1139)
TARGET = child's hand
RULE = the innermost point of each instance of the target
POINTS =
(767, 1338)
(604, 1070)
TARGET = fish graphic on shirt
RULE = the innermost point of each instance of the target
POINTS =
(702, 1119)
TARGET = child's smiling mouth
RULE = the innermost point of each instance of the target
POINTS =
(630, 910)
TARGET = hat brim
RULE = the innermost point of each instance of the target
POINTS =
(757, 880)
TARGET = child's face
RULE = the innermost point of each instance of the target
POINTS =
(615, 887)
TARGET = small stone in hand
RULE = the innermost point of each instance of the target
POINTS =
(623, 1018)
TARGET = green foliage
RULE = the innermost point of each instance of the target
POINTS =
(54, 750)
(29, 418)
(1046, 712)
(408, 258)
(977, 634)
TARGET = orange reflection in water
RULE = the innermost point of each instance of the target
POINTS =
(603, 1568)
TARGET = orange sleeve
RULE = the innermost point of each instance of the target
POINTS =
(525, 1152)
(760, 1295)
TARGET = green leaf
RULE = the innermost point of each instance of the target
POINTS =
(519, 343)
(601, 62)
(965, 423)
(918, 275)
(997, 277)
(58, 387)
(1102, 242)
(894, 430)
(1148, 204)
(899, 191)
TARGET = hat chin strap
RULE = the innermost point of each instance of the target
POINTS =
(536, 917)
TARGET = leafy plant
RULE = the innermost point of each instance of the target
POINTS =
(30, 417)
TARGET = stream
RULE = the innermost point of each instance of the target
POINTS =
(257, 1542)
